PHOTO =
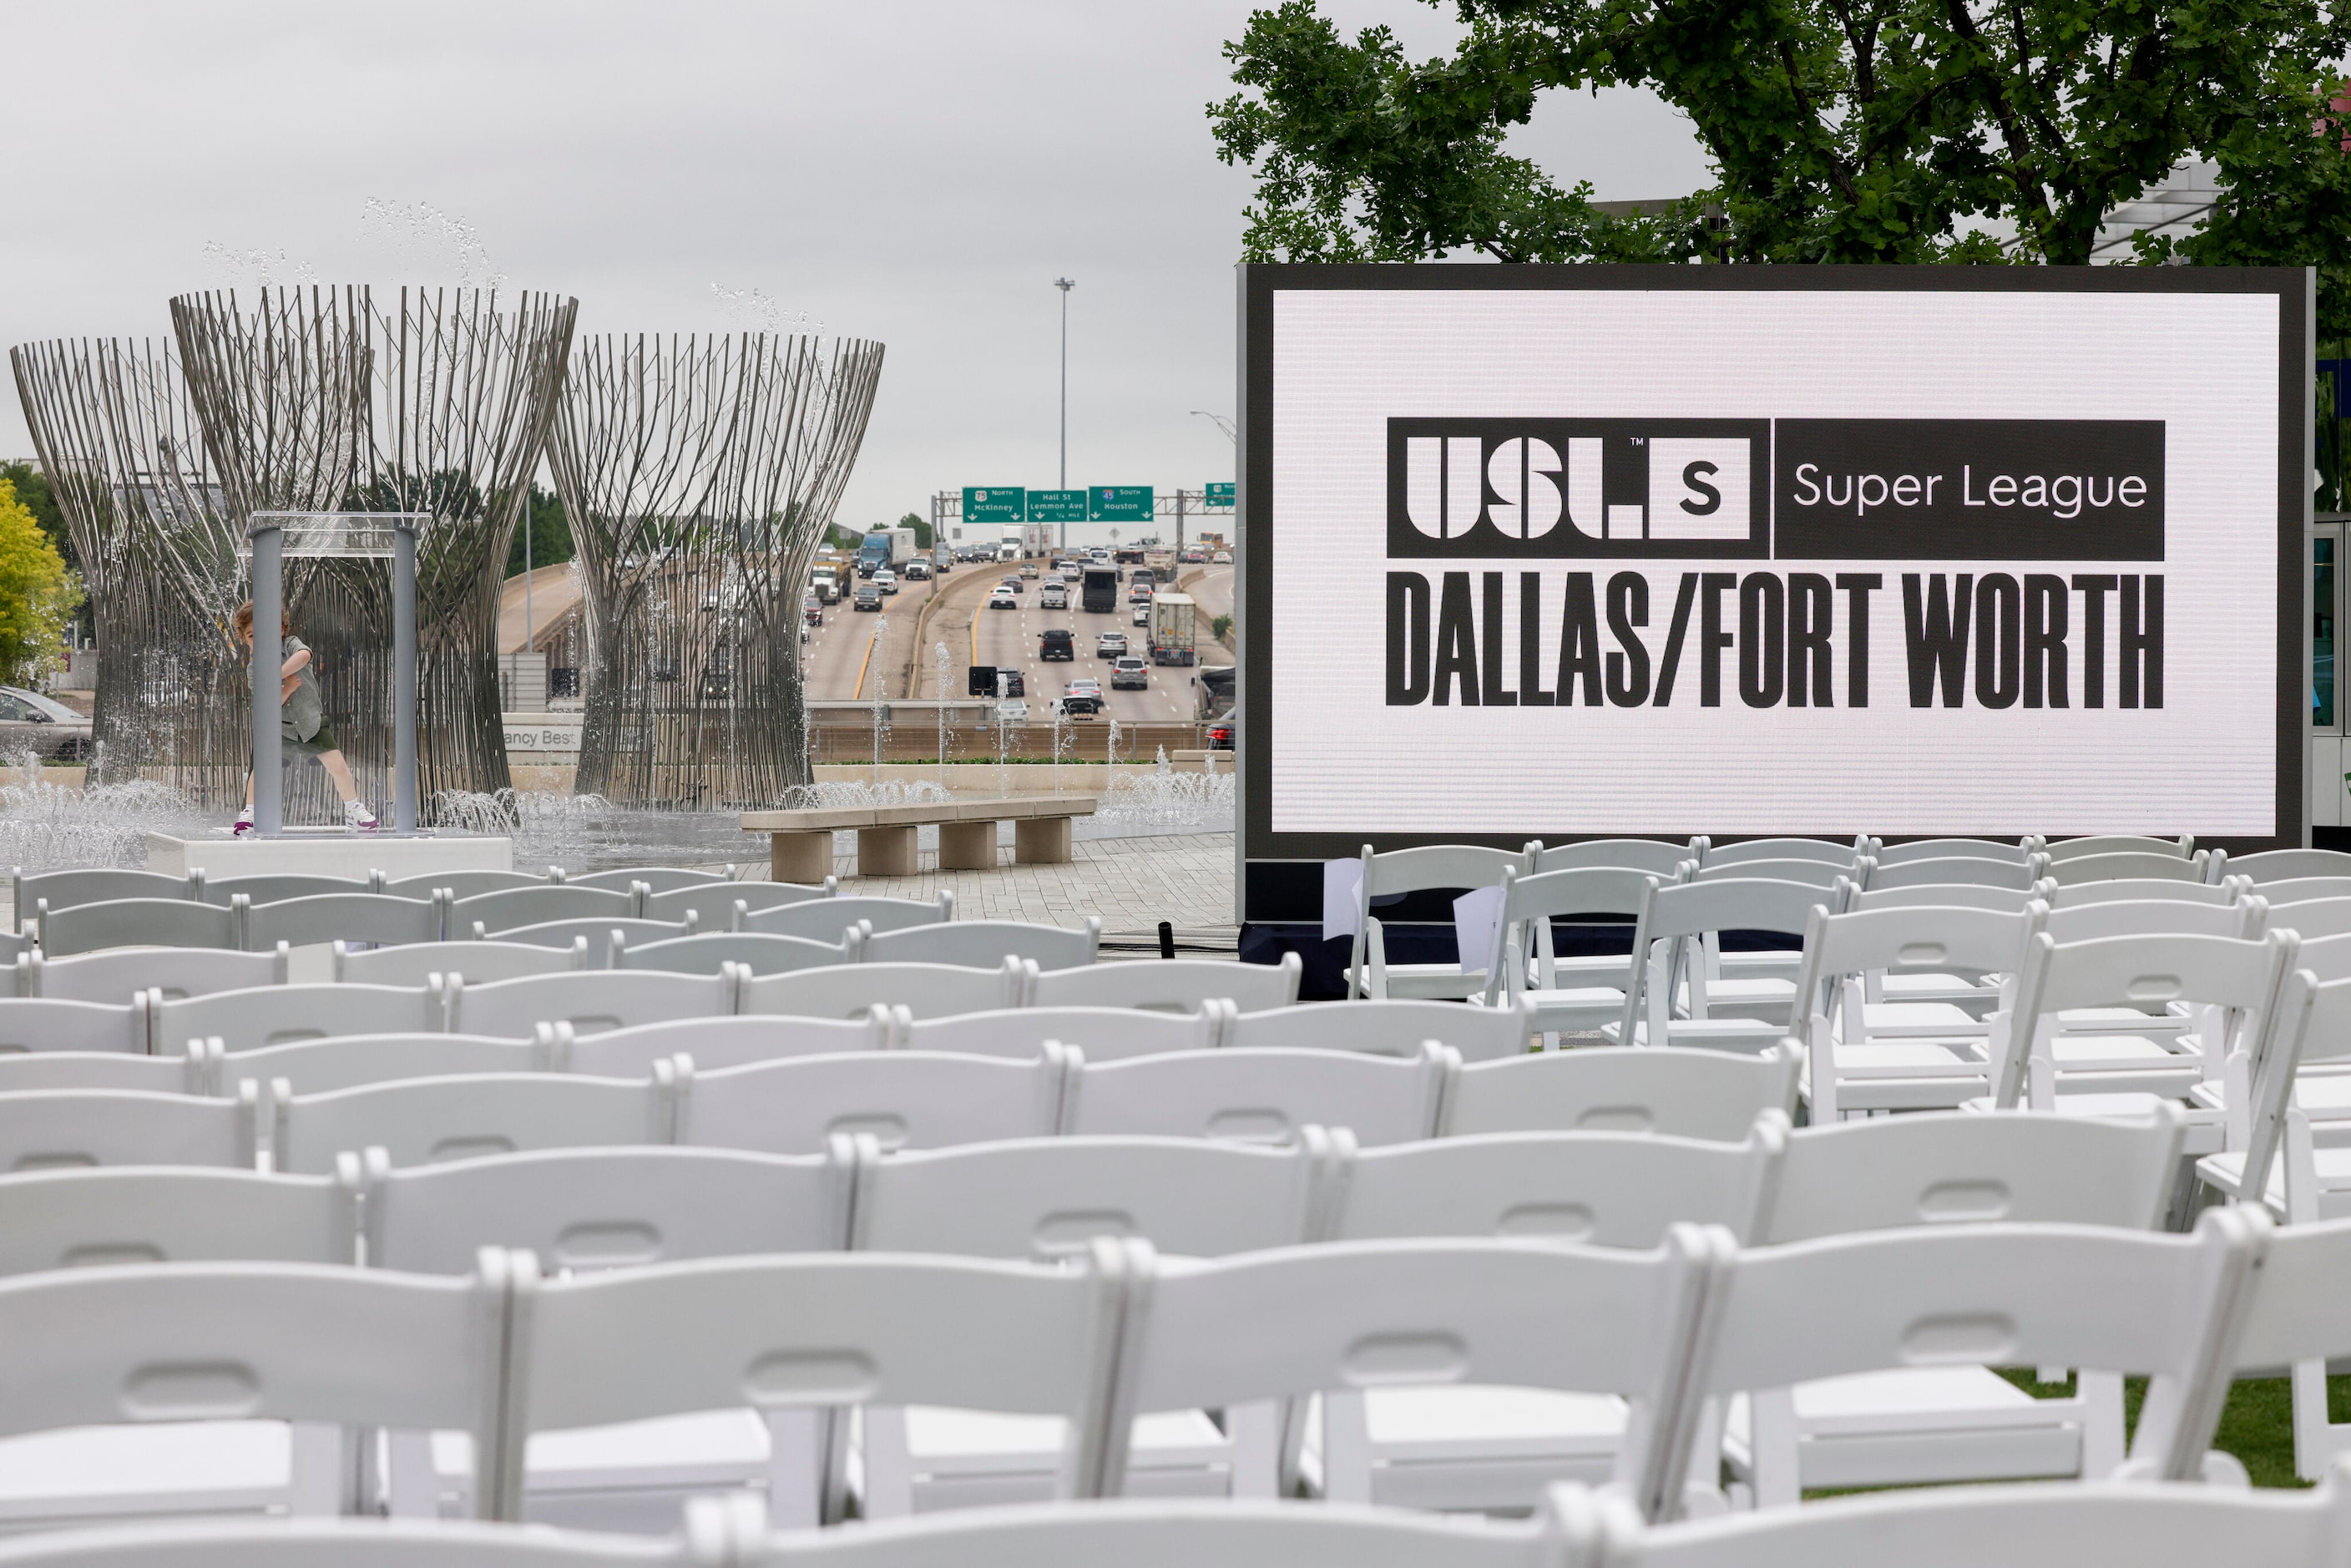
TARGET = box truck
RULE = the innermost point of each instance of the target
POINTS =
(1173, 638)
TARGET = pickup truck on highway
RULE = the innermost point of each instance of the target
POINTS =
(1055, 644)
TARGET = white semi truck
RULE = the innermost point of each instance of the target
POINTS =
(1174, 629)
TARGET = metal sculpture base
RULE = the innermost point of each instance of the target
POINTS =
(329, 852)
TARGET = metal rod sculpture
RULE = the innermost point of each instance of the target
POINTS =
(112, 424)
(317, 400)
(699, 475)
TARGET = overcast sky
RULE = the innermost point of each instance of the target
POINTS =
(916, 172)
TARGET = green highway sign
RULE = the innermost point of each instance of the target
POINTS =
(994, 503)
(1220, 495)
(1118, 504)
(1057, 506)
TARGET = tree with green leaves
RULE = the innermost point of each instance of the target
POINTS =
(1838, 130)
(33, 490)
(922, 527)
(549, 532)
(39, 593)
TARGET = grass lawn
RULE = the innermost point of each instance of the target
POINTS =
(2256, 1425)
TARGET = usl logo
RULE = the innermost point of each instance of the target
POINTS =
(1553, 487)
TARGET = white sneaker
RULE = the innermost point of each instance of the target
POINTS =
(358, 818)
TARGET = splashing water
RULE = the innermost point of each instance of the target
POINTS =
(51, 827)
(588, 833)
(760, 311)
(429, 241)
(1166, 800)
(269, 269)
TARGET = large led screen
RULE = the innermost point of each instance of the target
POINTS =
(1557, 552)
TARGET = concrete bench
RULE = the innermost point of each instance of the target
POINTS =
(801, 841)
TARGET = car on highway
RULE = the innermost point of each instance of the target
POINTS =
(812, 610)
(1003, 598)
(1222, 557)
(1140, 591)
(868, 597)
(1009, 683)
(1076, 704)
(1014, 583)
(918, 571)
(1130, 673)
(1195, 557)
(1110, 644)
(1142, 613)
(1056, 644)
(1012, 710)
(29, 720)
(1220, 732)
(1028, 569)
(1053, 596)
(886, 580)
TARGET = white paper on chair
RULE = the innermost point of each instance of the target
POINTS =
(1343, 882)
(1476, 913)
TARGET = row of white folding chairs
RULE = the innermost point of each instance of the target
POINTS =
(596, 1208)
(1351, 889)
(598, 1001)
(1117, 1334)
(911, 1099)
(2150, 1525)
(243, 922)
(66, 889)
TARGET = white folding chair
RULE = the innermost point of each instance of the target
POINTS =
(1825, 851)
(926, 991)
(355, 1061)
(2018, 852)
(2130, 865)
(370, 917)
(1637, 1088)
(1929, 1043)
(2312, 920)
(2086, 1038)
(309, 1542)
(2236, 981)
(2295, 1320)
(92, 884)
(1608, 1189)
(1261, 1096)
(1928, 1298)
(602, 936)
(41, 1025)
(1574, 994)
(514, 908)
(1395, 1027)
(157, 1214)
(140, 923)
(2030, 1526)
(1674, 949)
(466, 884)
(825, 921)
(1047, 1199)
(425, 1121)
(1104, 1034)
(819, 1332)
(1923, 1423)
(25, 1070)
(590, 1002)
(905, 1099)
(1390, 876)
(2305, 888)
(1409, 1318)
(657, 879)
(243, 1343)
(1659, 857)
(119, 975)
(1822, 874)
(48, 1128)
(2281, 865)
(2181, 848)
(2142, 889)
(279, 1015)
(1955, 872)
(1159, 1532)
(711, 951)
(279, 886)
(1175, 985)
(579, 1210)
(2007, 900)
(713, 903)
(984, 943)
(482, 963)
(712, 1042)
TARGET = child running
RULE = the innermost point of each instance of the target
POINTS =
(303, 726)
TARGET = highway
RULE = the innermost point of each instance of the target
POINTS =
(844, 664)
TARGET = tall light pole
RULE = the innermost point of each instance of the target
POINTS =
(1065, 285)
